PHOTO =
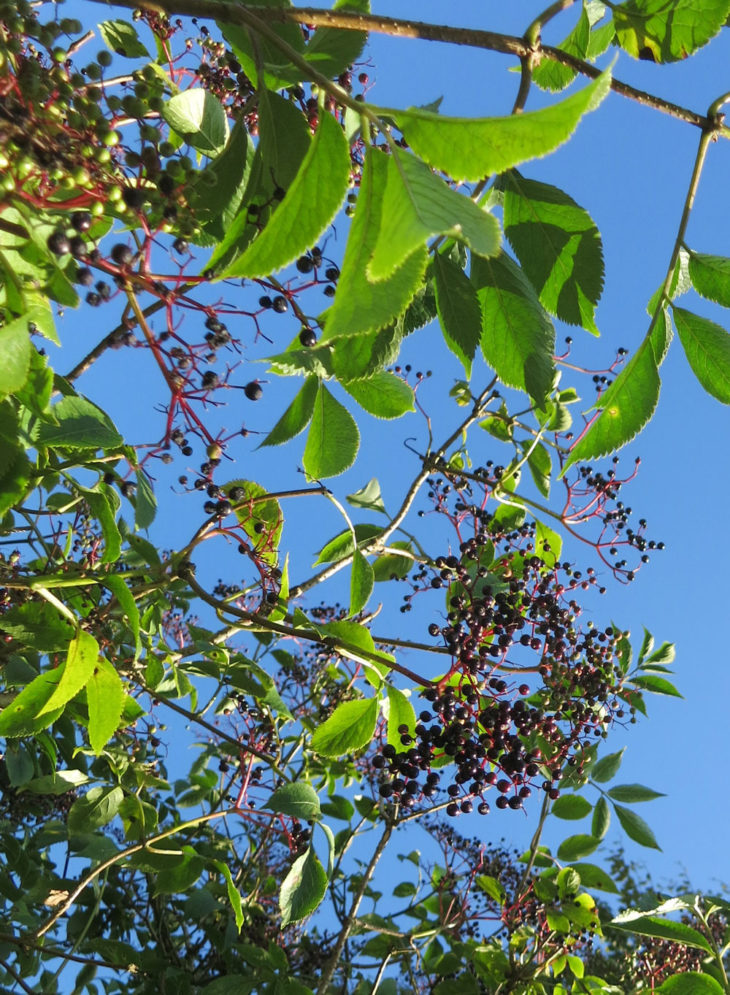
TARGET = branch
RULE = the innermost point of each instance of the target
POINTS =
(233, 13)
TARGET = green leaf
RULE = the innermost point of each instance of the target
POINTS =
(417, 206)
(558, 246)
(38, 387)
(601, 819)
(303, 888)
(595, 877)
(470, 148)
(333, 438)
(691, 983)
(575, 847)
(296, 417)
(18, 764)
(571, 807)
(635, 827)
(633, 921)
(539, 464)
(79, 425)
(633, 793)
(626, 406)
(128, 605)
(399, 712)
(360, 305)
(15, 348)
(368, 497)
(297, 799)
(198, 117)
(81, 659)
(309, 205)
(707, 348)
(362, 355)
(458, 309)
(350, 727)
(102, 510)
(667, 30)
(383, 395)
(262, 520)
(343, 544)
(121, 38)
(361, 583)
(180, 878)
(105, 699)
(26, 714)
(58, 783)
(552, 75)
(607, 767)
(331, 50)
(39, 626)
(391, 565)
(94, 809)
(548, 543)
(656, 685)
(278, 71)
(710, 276)
(145, 503)
(517, 336)
(219, 189)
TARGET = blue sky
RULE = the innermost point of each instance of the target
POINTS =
(629, 167)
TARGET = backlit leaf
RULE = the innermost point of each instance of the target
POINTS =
(601, 819)
(666, 929)
(633, 793)
(667, 30)
(350, 727)
(303, 888)
(571, 807)
(333, 438)
(458, 309)
(298, 799)
(81, 659)
(296, 417)
(707, 348)
(331, 50)
(105, 699)
(710, 276)
(361, 582)
(575, 847)
(607, 767)
(79, 425)
(15, 348)
(384, 394)
(400, 712)
(635, 827)
(198, 117)
(121, 38)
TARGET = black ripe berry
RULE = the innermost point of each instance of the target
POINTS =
(180, 245)
(305, 264)
(280, 304)
(84, 276)
(133, 197)
(122, 254)
(78, 246)
(265, 302)
(332, 273)
(81, 221)
(307, 338)
(329, 291)
(58, 244)
(253, 390)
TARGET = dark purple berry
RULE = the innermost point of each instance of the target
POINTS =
(307, 338)
(58, 243)
(121, 254)
(253, 390)
(280, 304)
(81, 221)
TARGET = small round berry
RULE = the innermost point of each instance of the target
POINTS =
(180, 245)
(304, 264)
(265, 302)
(81, 221)
(332, 273)
(253, 390)
(307, 338)
(280, 304)
(121, 254)
(84, 276)
(133, 197)
(58, 243)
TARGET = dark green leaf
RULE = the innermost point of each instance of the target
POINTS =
(595, 877)
(102, 510)
(710, 276)
(458, 309)
(607, 767)
(361, 582)
(633, 921)
(145, 504)
(383, 395)
(575, 847)
(656, 685)
(707, 348)
(218, 190)
(303, 888)
(635, 827)
(297, 799)
(181, 878)
(691, 983)
(94, 809)
(296, 417)
(539, 464)
(601, 819)
(278, 71)
(350, 727)
(571, 807)
(400, 712)
(333, 438)
(121, 38)
(667, 30)
(198, 117)
(517, 336)
(343, 544)
(633, 793)
(558, 246)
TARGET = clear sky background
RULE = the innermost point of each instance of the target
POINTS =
(629, 167)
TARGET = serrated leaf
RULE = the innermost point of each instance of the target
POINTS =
(128, 605)
(667, 30)
(399, 712)
(635, 827)
(633, 793)
(571, 807)
(517, 336)
(665, 654)
(261, 518)
(391, 565)
(575, 847)
(470, 148)
(361, 305)
(309, 205)
(558, 246)
(26, 714)
(361, 582)
(331, 50)
(198, 117)
(79, 425)
(303, 888)
(145, 503)
(219, 189)
(121, 37)
(105, 699)
(368, 497)
(539, 464)
(15, 348)
(383, 395)
(343, 544)
(707, 348)
(607, 767)
(626, 406)
(278, 72)
(710, 276)
(632, 921)
(350, 727)
(601, 819)
(81, 659)
(458, 309)
(552, 75)
(333, 438)
(296, 417)
(656, 685)
(418, 205)
(297, 799)
(357, 356)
